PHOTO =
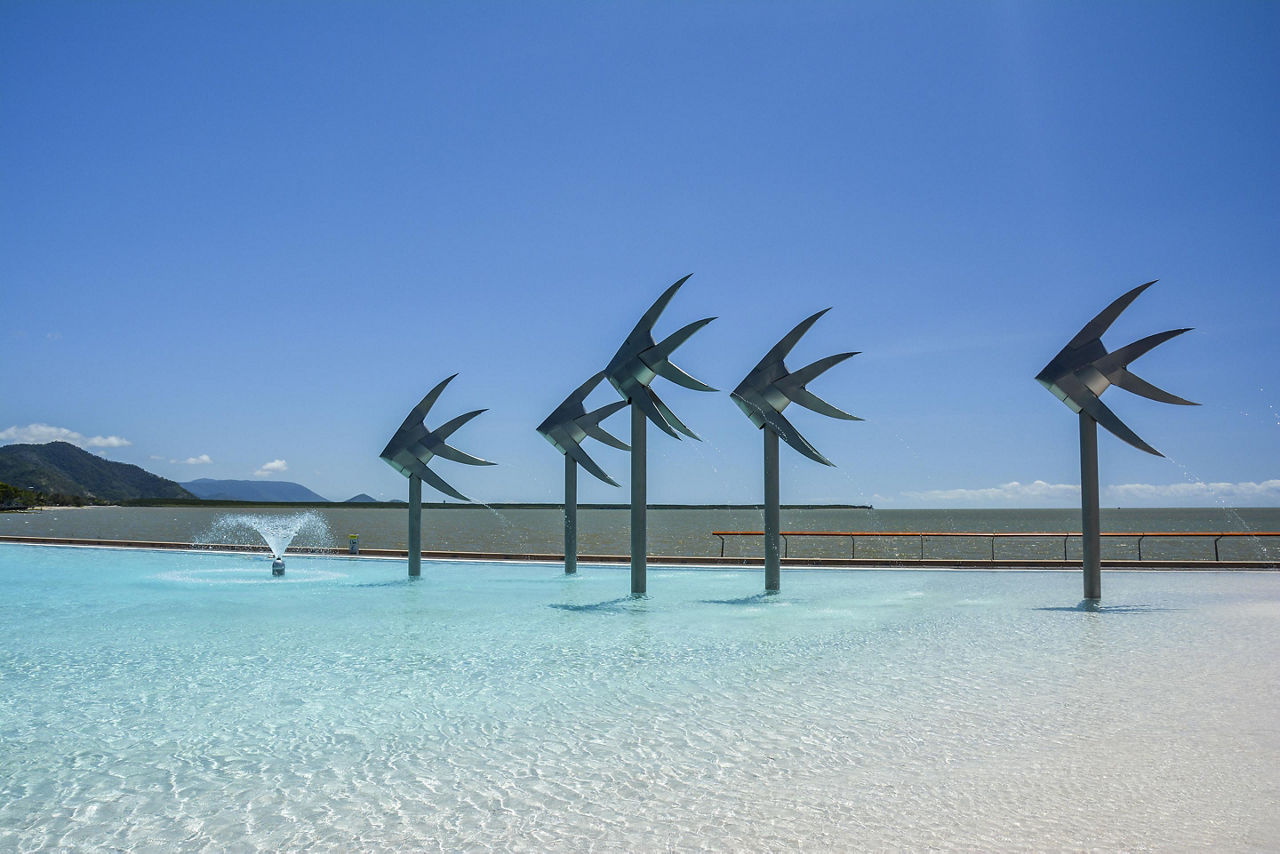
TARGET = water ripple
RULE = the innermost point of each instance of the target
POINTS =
(453, 714)
(240, 575)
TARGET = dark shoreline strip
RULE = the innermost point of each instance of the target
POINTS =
(805, 563)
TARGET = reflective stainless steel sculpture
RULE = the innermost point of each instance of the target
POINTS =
(566, 428)
(762, 395)
(1077, 376)
(638, 361)
(409, 451)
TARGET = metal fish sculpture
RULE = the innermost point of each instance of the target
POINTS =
(771, 386)
(768, 389)
(569, 424)
(1083, 370)
(414, 445)
(640, 359)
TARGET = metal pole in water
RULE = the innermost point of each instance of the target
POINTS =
(1078, 376)
(411, 448)
(639, 497)
(762, 396)
(1091, 526)
(772, 514)
(570, 515)
(415, 526)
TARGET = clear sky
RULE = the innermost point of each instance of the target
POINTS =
(241, 239)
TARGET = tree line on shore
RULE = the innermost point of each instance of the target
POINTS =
(16, 498)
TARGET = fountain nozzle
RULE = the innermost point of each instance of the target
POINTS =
(277, 566)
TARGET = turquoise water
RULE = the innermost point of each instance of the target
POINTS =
(157, 701)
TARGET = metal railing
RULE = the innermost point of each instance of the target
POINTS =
(993, 536)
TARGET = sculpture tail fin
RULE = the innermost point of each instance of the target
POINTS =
(1132, 382)
(419, 412)
(583, 459)
(436, 482)
(644, 327)
(1103, 320)
(788, 341)
(1098, 411)
(448, 452)
(1130, 352)
(809, 400)
(448, 428)
(671, 416)
(658, 357)
(590, 423)
(787, 432)
(644, 398)
(440, 449)
(812, 371)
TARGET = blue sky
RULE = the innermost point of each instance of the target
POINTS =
(241, 239)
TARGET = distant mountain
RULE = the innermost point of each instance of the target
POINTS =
(62, 468)
(267, 491)
(362, 498)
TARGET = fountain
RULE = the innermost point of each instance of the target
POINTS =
(278, 531)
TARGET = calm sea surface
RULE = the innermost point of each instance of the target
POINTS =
(674, 532)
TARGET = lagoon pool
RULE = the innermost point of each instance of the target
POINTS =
(160, 701)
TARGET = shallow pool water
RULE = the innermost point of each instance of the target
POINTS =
(157, 701)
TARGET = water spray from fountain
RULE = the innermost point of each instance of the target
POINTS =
(278, 531)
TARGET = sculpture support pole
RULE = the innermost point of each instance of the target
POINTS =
(1091, 542)
(772, 515)
(415, 526)
(639, 498)
(570, 515)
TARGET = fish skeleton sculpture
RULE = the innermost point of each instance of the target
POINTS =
(1083, 370)
(570, 424)
(414, 445)
(771, 386)
(640, 359)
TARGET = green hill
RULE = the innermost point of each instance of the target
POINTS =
(61, 468)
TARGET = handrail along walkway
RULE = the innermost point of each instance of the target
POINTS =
(993, 536)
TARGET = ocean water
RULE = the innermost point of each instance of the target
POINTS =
(172, 701)
(679, 532)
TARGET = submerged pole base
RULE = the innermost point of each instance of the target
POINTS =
(570, 515)
(1090, 523)
(772, 514)
(277, 567)
(639, 504)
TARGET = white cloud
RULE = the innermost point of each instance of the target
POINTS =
(201, 460)
(41, 434)
(273, 467)
(1006, 495)
(1245, 492)
(1039, 494)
